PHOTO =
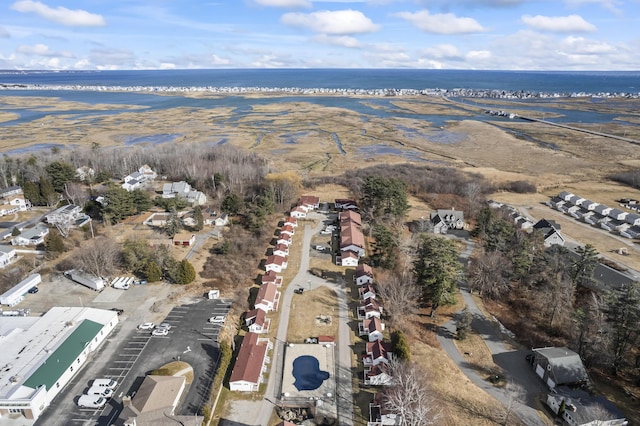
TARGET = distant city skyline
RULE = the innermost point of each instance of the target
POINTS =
(429, 34)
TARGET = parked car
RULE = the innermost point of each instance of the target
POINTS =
(298, 290)
(91, 401)
(164, 325)
(146, 326)
(33, 290)
(320, 248)
(160, 332)
(118, 310)
(122, 285)
(108, 383)
(218, 319)
(326, 232)
(100, 390)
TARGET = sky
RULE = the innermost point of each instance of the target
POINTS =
(424, 34)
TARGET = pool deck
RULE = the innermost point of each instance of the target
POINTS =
(325, 395)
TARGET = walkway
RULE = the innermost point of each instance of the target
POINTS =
(512, 361)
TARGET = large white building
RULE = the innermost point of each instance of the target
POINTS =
(40, 355)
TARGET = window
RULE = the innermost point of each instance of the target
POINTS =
(71, 368)
(57, 385)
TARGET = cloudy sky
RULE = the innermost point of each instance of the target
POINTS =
(449, 34)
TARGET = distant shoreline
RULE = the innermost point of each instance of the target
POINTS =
(382, 92)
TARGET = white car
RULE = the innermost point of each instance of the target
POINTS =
(146, 326)
(91, 401)
(103, 391)
(218, 319)
(164, 325)
(160, 332)
(320, 248)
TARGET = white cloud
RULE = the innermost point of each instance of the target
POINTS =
(442, 51)
(42, 50)
(284, 3)
(478, 55)
(441, 23)
(583, 46)
(611, 5)
(344, 41)
(337, 22)
(559, 24)
(167, 66)
(4, 33)
(216, 60)
(61, 15)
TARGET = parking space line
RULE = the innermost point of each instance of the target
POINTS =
(205, 340)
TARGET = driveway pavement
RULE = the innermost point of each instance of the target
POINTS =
(512, 361)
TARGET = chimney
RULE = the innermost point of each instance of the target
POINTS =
(126, 401)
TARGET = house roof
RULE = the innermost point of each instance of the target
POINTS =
(351, 235)
(616, 212)
(378, 349)
(37, 231)
(311, 200)
(183, 236)
(158, 392)
(447, 215)
(364, 269)
(280, 247)
(266, 293)
(274, 259)
(269, 277)
(6, 249)
(366, 288)
(284, 237)
(287, 229)
(565, 194)
(291, 219)
(249, 361)
(373, 324)
(49, 373)
(566, 365)
(255, 316)
(350, 215)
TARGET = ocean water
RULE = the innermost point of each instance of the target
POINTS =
(539, 81)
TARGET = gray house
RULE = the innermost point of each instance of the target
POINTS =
(558, 366)
(443, 220)
(550, 231)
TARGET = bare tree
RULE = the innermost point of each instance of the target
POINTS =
(100, 257)
(75, 193)
(409, 395)
(598, 415)
(488, 274)
(400, 295)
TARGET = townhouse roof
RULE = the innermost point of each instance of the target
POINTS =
(250, 358)
(266, 293)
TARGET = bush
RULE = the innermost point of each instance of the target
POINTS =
(520, 187)
(400, 346)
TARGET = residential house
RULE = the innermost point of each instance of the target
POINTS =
(558, 366)
(281, 250)
(588, 205)
(584, 409)
(267, 298)
(65, 214)
(349, 258)
(13, 203)
(633, 219)
(291, 221)
(31, 236)
(565, 195)
(606, 223)
(287, 229)
(572, 209)
(363, 275)
(372, 328)
(445, 220)
(284, 239)
(352, 239)
(271, 277)
(349, 216)
(617, 214)
(299, 212)
(310, 201)
(7, 255)
(222, 220)
(590, 218)
(369, 308)
(256, 321)
(10, 191)
(275, 263)
(250, 364)
(184, 239)
(556, 203)
(157, 219)
(379, 416)
(633, 232)
(550, 231)
(575, 200)
(183, 190)
(377, 375)
(377, 352)
(602, 210)
(366, 291)
(155, 400)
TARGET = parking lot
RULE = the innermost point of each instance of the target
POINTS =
(129, 354)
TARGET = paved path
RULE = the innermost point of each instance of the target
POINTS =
(512, 361)
(308, 281)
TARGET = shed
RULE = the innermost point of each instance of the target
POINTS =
(559, 366)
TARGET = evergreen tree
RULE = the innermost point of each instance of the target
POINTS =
(198, 217)
(382, 196)
(141, 200)
(54, 244)
(120, 204)
(15, 232)
(437, 270)
(384, 247)
(232, 204)
(60, 173)
(401, 348)
(584, 265)
(153, 272)
(174, 224)
(623, 312)
(47, 192)
(185, 273)
(31, 192)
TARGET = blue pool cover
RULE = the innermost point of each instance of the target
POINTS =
(306, 370)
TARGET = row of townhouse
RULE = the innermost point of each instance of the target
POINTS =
(252, 360)
(550, 229)
(306, 204)
(351, 238)
(378, 353)
(608, 218)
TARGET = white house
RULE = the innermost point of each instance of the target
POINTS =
(287, 229)
(222, 220)
(311, 202)
(32, 236)
(366, 291)
(363, 275)
(369, 308)
(372, 328)
(299, 212)
(7, 255)
(281, 250)
(377, 375)
(251, 363)
(275, 263)
(271, 277)
(256, 321)
(13, 204)
(376, 353)
(602, 210)
(267, 298)
(588, 204)
(550, 231)
(291, 221)
(349, 258)
(183, 190)
(284, 239)
(617, 214)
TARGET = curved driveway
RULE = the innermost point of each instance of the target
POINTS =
(512, 361)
